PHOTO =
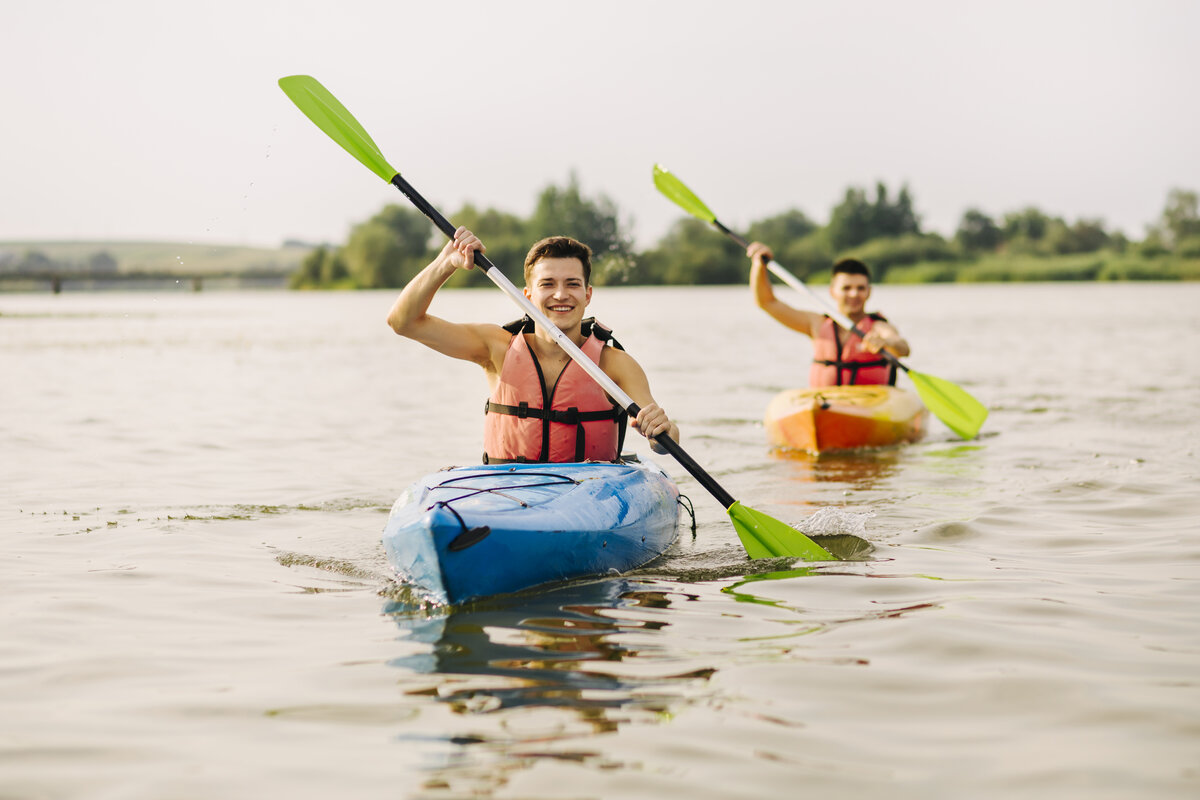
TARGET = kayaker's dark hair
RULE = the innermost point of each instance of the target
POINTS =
(852, 266)
(560, 247)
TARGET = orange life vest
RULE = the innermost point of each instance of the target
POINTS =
(572, 421)
(837, 363)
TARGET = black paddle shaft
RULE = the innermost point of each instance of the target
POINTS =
(425, 207)
(698, 472)
(666, 442)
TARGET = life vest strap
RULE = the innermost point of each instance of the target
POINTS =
(570, 416)
(588, 327)
(883, 362)
(854, 366)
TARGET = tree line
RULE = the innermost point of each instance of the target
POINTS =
(100, 264)
(881, 228)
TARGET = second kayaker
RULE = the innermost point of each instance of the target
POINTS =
(527, 371)
(840, 358)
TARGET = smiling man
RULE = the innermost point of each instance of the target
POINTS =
(840, 358)
(543, 407)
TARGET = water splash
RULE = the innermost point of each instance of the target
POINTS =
(834, 521)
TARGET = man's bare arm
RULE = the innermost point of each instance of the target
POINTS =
(410, 317)
(629, 375)
(806, 322)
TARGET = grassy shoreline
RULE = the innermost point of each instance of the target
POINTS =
(136, 260)
(158, 258)
(1101, 266)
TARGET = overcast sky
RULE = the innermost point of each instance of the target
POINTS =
(132, 119)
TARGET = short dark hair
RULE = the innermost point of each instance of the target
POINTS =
(851, 266)
(560, 247)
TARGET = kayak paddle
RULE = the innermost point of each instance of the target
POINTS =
(949, 402)
(761, 535)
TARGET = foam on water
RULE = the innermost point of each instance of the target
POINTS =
(834, 521)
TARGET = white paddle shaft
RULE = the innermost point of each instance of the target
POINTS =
(564, 341)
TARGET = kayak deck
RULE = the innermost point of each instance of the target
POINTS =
(844, 418)
(477, 531)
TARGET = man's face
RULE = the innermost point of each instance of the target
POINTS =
(557, 288)
(850, 292)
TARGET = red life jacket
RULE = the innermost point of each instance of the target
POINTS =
(837, 363)
(581, 423)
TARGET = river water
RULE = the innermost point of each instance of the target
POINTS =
(195, 601)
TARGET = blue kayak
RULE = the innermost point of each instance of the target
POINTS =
(476, 531)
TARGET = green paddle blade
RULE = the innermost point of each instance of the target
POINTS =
(767, 537)
(332, 117)
(681, 195)
(950, 403)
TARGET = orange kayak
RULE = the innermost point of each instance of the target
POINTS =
(845, 418)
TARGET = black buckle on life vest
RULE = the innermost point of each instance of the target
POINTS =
(523, 410)
(518, 460)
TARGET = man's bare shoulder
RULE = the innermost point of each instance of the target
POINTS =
(489, 331)
(618, 362)
(496, 340)
(798, 319)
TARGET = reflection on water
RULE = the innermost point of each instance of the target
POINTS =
(579, 652)
(543, 640)
(860, 468)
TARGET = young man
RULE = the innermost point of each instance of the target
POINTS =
(543, 406)
(839, 357)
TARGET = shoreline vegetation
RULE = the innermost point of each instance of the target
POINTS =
(884, 231)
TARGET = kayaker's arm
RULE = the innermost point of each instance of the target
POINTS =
(629, 375)
(805, 322)
(883, 335)
(409, 316)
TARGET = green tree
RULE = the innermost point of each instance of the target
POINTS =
(1058, 239)
(388, 249)
(332, 267)
(898, 218)
(1188, 248)
(883, 253)
(977, 232)
(321, 268)
(504, 235)
(798, 243)
(307, 275)
(857, 220)
(692, 252)
(808, 256)
(1088, 235)
(1152, 246)
(850, 222)
(565, 211)
(1029, 223)
(1180, 217)
(781, 230)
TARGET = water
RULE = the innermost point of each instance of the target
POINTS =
(196, 604)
